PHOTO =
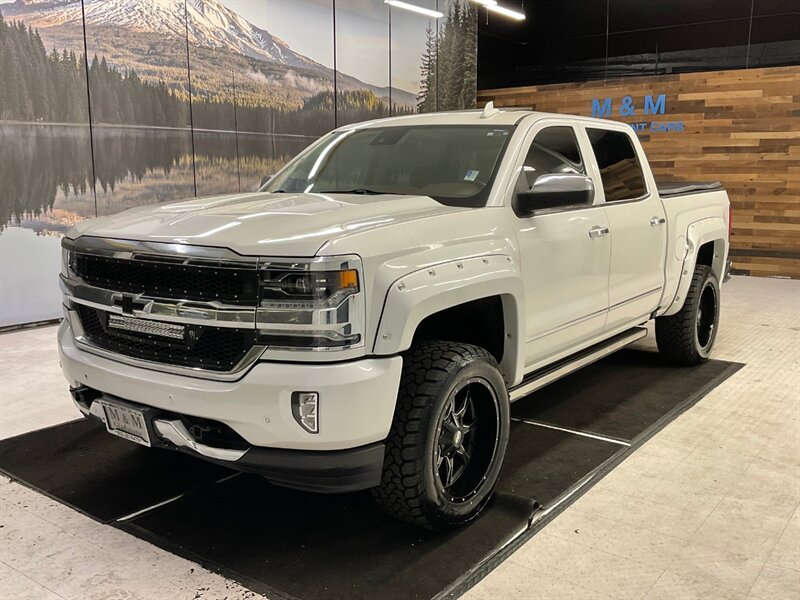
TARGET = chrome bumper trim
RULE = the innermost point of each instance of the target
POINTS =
(191, 312)
(186, 312)
(176, 432)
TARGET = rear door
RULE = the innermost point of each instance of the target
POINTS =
(637, 224)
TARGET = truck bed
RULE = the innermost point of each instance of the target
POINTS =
(667, 189)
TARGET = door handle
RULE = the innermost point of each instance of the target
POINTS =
(596, 232)
(655, 221)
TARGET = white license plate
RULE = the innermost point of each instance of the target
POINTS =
(127, 423)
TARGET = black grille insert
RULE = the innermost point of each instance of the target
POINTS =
(210, 348)
(164, 277)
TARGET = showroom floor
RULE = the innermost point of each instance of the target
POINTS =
(706, 509)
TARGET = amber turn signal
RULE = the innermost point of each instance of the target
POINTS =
(348, 279)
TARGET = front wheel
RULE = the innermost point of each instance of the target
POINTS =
(448, 438)
(686, 337)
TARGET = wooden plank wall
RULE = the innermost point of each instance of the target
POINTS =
(739, 127)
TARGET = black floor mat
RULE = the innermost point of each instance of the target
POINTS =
(296, 545)
(290, 544)
(542, 463)
(620, 396)
(98, 474)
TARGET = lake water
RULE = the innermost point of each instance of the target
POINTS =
(48, 182)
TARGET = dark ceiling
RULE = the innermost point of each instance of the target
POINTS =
(575, 40)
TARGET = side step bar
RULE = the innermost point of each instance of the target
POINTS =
(542, 377)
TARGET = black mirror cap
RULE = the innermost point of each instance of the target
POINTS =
(264, 180)
(555, 190)
(527, 203)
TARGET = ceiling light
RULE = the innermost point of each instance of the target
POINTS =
(414, 8)
(506, 12)
(486, 2)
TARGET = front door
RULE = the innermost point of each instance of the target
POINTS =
(564, 252)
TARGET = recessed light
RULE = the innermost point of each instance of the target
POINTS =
(506, 12)
(414, 8)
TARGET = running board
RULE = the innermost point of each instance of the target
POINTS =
(542, 377)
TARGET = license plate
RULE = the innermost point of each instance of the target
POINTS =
(125, 422)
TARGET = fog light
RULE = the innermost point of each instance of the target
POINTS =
(305, 410)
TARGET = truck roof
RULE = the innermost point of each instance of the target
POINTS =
(490, 116)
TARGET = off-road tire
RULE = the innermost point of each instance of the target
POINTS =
(411, 488)
(679, 337)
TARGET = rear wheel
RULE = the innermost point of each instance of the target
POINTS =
(448, 438)
(686, 338)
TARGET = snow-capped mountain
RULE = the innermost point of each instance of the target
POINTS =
(209, 23)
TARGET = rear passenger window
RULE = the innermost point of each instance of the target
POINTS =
(619, 167)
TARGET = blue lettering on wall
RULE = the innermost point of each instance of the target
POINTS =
(667, 126)
(627, 109)
(657, 108)
(654, 104)
(601, 111)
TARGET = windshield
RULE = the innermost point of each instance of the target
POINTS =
(453, 164)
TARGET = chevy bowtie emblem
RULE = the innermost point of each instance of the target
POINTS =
(130, 302)
(127, 304)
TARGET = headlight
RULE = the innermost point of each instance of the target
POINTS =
(66, 261)
(314, 305)
(282, 286)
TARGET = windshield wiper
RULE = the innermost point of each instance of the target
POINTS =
(364, 191)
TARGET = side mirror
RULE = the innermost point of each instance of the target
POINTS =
(264, 180)
(555, 190)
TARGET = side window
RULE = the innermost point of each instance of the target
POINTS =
(553, 150)
(619, 166)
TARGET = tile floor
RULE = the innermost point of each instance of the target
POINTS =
(706, 509)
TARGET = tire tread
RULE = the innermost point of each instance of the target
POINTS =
(426, 367)
(675, 334)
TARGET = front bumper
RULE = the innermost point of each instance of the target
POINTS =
(335, 471)
(356, 407)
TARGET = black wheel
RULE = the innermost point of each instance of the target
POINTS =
(448, 438)
(686, 338)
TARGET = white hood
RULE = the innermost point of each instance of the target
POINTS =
(261, 223)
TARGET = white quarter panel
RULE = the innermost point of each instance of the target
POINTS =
(694, 219)
(712, 229)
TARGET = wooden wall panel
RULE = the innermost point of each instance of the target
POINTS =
(739, 127)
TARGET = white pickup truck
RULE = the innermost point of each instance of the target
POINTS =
(365, 319)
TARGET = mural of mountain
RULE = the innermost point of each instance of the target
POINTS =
(210, 23)
(151, 100)
(128, 31)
